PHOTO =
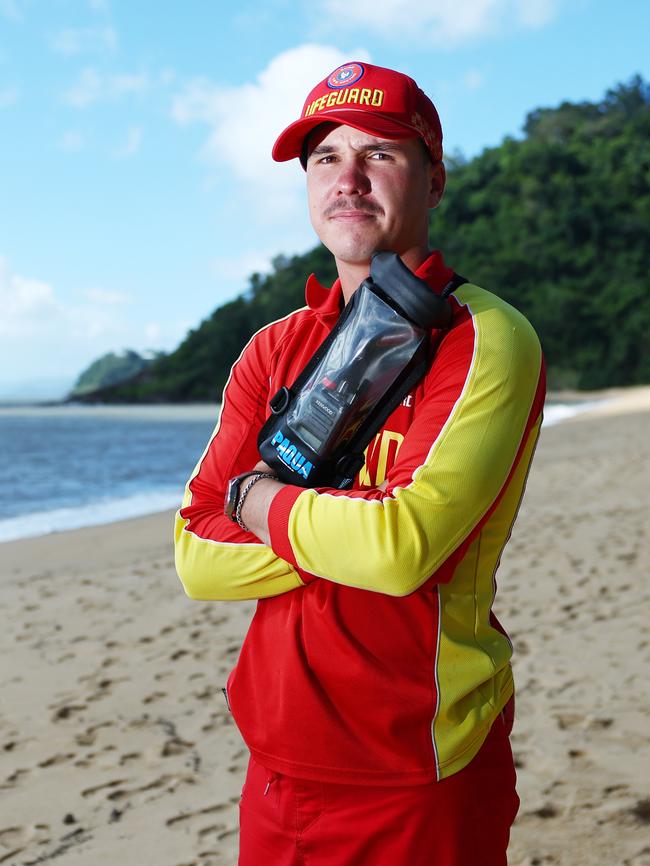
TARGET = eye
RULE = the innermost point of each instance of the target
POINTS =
(324, 159)
(380, 155)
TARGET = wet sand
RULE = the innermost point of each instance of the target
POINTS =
(116, 745)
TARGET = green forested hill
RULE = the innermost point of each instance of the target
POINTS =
(557, 223)
(109, 370)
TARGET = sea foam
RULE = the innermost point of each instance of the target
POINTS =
(91, 514)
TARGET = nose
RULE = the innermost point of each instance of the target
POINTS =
(352, 179)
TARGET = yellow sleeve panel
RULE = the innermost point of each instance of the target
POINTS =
(228, 571)
(217, 570)
(470, 649)
(394, 544)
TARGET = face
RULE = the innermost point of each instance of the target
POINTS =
(367, 193)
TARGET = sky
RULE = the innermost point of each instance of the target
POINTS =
(137, 189)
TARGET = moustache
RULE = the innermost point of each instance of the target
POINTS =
(368, 207)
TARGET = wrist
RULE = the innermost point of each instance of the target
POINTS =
(238, 489)
(246, 489)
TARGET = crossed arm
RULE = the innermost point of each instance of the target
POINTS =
(479, 407)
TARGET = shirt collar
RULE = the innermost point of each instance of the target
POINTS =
(327, 303)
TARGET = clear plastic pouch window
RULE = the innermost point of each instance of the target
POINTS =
(371, 350)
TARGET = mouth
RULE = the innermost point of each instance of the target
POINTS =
(352, 215)
(352, 211)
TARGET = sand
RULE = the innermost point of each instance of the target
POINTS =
(116, 746)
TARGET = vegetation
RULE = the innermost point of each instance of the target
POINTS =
(109, 370)
(557, 223)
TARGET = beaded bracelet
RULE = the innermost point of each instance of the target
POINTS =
(247, 489)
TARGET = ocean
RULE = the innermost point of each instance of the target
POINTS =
(65, 467)
(70, 466)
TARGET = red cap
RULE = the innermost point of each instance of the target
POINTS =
(370, 98)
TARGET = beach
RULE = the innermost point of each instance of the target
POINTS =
(117, 747)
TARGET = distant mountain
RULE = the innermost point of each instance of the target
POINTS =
(111, 370)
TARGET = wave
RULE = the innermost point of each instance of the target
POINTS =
(111, 510)
(556, 412)
(89, 514)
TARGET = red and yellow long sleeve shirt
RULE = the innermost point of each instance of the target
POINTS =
(374, 655)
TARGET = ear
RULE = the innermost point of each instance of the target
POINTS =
(437, 178)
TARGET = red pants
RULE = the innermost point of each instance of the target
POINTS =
(464, 820)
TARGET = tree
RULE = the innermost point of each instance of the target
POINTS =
(557, 223)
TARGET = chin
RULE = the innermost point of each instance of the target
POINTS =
(356, 254)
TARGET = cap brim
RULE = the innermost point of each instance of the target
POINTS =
(289, 143)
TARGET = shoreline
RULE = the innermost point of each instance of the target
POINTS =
(569, 405)
(208, 409)
(130, 510)
(61, 549)
(152, 411)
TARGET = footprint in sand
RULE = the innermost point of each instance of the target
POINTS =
(57, 759)
(89, 792)
(67, 710)
(239, 762)
(119, 789)
(16, 839)
(15, 777)
(88, 737)
(153, 697)
(175, 746)
(182, 819)
(196, 823)
(130, 756)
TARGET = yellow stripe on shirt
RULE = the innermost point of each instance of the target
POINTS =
(471, 650)
(395, 544)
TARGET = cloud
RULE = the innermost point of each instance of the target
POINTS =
(39, 331)
(153, 333)
(244, 121)
(72, 141)
(237, 269)
(241, 123)
(536, 13)
(102, 296)
(11, 10)
(131, 145)
(31, 308)
(92, 87)
(445, 23)
(473, 79)
(9, 96)
(26, 302)
(84, 40)
(85, 91)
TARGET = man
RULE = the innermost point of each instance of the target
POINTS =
(374, 688)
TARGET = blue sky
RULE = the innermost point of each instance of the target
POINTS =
(137, 191)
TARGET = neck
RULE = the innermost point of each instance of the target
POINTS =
(352, 274)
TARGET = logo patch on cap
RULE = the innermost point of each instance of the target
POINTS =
(345, 75)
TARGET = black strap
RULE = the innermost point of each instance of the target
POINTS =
(452, 285)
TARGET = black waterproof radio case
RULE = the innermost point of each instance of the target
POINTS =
(377, 351)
